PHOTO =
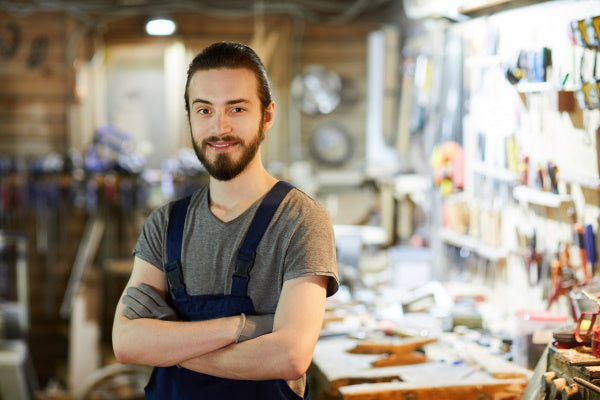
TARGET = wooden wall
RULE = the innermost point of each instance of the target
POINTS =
(36, 83)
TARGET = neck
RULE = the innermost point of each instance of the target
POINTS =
(229, 199)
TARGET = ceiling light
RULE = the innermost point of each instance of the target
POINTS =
(160, 27)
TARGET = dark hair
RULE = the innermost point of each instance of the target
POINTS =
(230, 55)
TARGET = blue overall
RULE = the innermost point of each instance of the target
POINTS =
(180, 383)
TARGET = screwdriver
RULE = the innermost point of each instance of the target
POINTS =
(589, 239)
(582, 253)
(552, 172)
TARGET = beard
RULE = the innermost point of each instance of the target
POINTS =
(223, 167)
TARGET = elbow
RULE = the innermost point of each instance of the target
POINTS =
(297, 364)
(125, 346)
(122, 353)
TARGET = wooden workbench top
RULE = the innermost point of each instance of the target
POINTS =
(340, 374)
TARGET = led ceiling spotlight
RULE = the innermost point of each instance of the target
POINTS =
(160, 27)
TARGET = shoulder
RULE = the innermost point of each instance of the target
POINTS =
(299, 205)
(160, 214)
(301, 214)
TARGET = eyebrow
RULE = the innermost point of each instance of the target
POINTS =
(228, 102)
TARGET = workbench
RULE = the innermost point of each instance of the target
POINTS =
(572, 374)
(455, 370)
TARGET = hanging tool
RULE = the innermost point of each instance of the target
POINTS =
(539, 182)
(524, 169)
(534, 259)
(552, 174)
(589, 238)
(563, 279)
(582, 253)
(590, 297)
(587, 320)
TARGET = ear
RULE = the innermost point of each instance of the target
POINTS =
(269, 117)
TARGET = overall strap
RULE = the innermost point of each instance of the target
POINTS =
(174, 243)
(245, 257)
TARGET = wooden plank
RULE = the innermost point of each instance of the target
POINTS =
(405, 358)
(390, 346)
(334, 49)
(350, 69)
(54, 53)
(496, 366)
(339, 32)
(19, 106)
(23, 147)
(496, 389)
(9, 99)
(32, 129)
(335, 367)
(35, 84)
(33, 118)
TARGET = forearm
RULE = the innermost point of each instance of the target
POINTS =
(278, 355)
(284, 354)
(164, 343)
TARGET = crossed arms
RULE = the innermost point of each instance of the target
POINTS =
(209, 346)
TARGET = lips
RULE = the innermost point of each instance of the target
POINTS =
(221, 145)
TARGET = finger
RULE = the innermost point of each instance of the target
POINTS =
(141, 297)
(136, 306)
(129, 313)
(137, 294)
(150, 292)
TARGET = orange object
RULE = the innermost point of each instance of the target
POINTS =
(448, 162)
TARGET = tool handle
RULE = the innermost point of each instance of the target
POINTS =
(590, 328)
(584, 269)
(589, 239)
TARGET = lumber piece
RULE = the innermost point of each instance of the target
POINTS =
(404, 358)
(492, 389)
(396, 346)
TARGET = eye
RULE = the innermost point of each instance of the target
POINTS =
(202, 111)
(237, 109)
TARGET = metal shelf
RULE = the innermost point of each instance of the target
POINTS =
(540, 198)
(502, 174)
(534, 87)
(474, 245)
(478, 8)
(589, 182)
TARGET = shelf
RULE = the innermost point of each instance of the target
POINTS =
(501, 174)
(534, 87)
(589, 182)
(474, 245)
(478, 8)
(540, 198)
(485, 60)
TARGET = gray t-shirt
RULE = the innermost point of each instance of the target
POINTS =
(298, 242)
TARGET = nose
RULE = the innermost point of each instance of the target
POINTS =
(223, 124)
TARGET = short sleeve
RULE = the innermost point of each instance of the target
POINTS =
(150, 244)
(311, 250)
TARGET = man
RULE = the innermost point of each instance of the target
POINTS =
(223, 304)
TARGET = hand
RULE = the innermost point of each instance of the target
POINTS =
(144, 302)
(254, 326)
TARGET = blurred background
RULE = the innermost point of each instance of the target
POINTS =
(454, 143)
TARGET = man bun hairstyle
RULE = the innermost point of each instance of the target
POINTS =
(230, 55)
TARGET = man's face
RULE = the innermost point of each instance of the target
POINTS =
(226, 120)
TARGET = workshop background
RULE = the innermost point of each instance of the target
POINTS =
(454, 143)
